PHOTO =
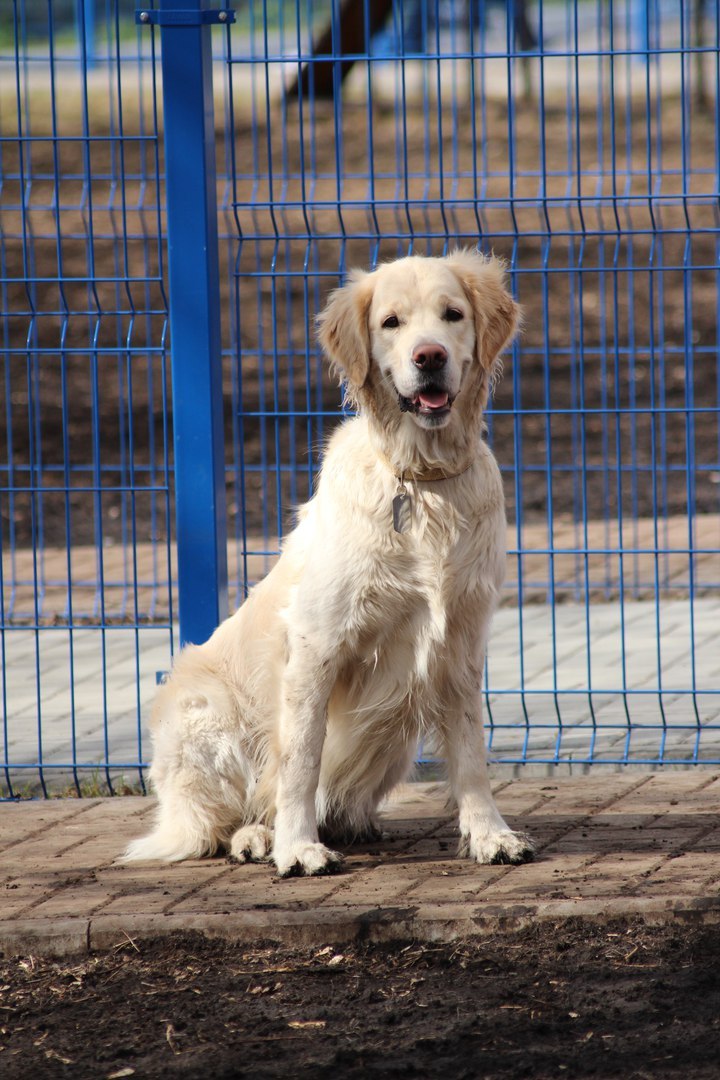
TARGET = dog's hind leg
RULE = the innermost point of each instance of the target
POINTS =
(251, 843)
(201, 776)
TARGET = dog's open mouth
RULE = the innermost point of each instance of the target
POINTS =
(431, 402)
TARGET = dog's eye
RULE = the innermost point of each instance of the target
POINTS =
(453, 314)
(391, 322)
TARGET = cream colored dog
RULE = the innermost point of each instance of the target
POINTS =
(304, 709)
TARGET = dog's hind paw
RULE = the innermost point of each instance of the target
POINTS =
(307, 860)
(504, 847)
(251, 843)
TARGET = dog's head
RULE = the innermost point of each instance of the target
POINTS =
(420, 333)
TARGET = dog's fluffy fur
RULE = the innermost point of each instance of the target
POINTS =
(304, 709)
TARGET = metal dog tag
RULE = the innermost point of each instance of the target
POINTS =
(402, 511)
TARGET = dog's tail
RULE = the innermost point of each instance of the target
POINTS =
(167, 845)
(197, 770)
(179, 833)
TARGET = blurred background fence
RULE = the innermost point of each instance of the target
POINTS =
(579, 139)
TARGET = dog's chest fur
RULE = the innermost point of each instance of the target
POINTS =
(429, 588)
(405, 600)
(401, 616)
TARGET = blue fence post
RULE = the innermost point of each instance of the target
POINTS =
(85, 23)
(193, 264)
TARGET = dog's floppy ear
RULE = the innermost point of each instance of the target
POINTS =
(343, 328)
(497, 316)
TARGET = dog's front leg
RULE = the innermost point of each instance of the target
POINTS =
(307, 683)
(484, 835)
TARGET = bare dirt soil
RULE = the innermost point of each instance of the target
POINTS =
(619, 1000)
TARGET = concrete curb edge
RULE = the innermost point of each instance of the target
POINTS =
(387, 925)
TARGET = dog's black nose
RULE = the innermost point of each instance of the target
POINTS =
(430, 357)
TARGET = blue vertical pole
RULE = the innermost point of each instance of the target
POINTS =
(639, 33)
(191, 200)
(85, 24)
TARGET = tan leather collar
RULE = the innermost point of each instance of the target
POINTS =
(428, 476)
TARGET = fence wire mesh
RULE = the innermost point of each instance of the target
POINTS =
(576, 138)
(85, 468)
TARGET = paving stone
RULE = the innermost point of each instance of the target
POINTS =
(136, 888)
(535, 880)
(607, 839)
(621, 865)
(373, 888)
(18, 896)
(241, 889)
(21, 820)
(683, 873)
(591, 792)
(519, 798)
(695, 789)
(446, 884)
(82, 900)
(123, 808)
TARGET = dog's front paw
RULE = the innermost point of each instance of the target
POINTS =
(502, 846)
(306, 859)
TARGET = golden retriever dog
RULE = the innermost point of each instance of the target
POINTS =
(287, 729)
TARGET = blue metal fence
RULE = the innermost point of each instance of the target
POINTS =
(85, 466)
(577, 138)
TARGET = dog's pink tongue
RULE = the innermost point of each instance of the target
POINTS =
(434, 399)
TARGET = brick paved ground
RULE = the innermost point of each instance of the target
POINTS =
(608, 844)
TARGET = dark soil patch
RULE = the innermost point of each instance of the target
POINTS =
(621, 1000)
